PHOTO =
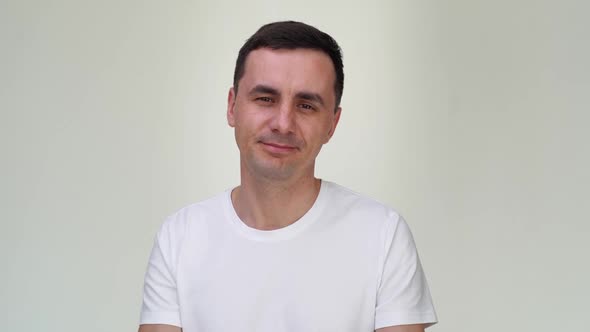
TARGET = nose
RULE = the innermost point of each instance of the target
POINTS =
(284, 119)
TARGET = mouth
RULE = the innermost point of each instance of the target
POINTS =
(281, 146)
(278, 148)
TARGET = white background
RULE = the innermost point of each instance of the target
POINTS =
(469, 117)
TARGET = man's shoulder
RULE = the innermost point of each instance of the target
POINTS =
(210, 204)
(348, 196)
(360, 204)
(206, 209)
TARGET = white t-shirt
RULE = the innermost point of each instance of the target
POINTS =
(349, 264)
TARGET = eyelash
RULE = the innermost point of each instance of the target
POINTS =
(265, 99)
(306, 107)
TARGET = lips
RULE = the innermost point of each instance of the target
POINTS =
(279, 146)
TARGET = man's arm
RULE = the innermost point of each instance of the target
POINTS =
(403, 299)
(160, 309)
(158, 328)
(402, 328)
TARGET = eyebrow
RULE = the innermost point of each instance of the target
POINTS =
(305, 95)
(314, 97)
(260, 88)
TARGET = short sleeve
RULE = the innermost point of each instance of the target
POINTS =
(160, 297)
(403, 294)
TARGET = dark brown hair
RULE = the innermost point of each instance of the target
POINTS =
(293, 35)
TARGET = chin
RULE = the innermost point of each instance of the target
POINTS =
(271, 170)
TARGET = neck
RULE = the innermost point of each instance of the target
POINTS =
(270, 204)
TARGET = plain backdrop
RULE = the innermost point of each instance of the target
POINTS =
(469, 117)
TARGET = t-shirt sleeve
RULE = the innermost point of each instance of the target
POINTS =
(160, 298)
(403, 295)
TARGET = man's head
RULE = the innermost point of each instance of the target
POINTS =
(287, 106)
(292, 35)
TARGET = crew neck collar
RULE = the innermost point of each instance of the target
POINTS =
(281, 233)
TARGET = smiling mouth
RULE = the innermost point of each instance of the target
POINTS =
(275, 147)
(280, 146)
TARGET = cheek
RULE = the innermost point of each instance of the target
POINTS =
(316, 135)
(246, 130)
(250, 121)
(324, 131)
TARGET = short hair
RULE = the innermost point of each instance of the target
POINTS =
(292, 35)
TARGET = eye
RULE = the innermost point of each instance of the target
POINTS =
(265, 100)
(307, 107)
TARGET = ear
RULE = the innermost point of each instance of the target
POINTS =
(334, 124)
(231, 104)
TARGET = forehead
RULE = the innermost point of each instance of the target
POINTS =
(290, 70)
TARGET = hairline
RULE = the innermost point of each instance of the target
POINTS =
(242, 72)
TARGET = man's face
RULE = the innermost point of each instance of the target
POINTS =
(283, 111)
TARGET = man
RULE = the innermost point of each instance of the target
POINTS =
(285, 251)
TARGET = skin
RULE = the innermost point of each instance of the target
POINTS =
(403, 328)
(159, 328)
(170, 328)
(283, 112)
